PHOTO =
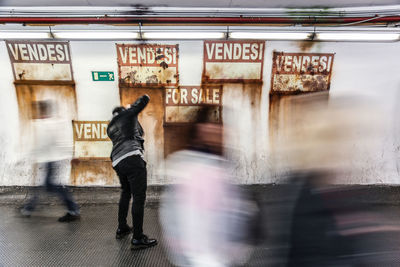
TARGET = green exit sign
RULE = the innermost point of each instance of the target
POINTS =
(103, 75)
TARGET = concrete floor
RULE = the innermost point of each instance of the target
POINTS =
(42, 241)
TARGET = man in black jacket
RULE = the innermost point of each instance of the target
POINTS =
(126, 134)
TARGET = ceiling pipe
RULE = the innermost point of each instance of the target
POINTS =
(199, 20)
(164, 11)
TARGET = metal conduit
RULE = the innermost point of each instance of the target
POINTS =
(199, 20)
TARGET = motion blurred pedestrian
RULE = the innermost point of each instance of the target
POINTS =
(205, 218)
(51, 148)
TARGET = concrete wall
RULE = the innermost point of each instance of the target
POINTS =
(360, 70)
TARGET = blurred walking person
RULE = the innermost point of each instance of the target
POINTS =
(126, 134)
(205, 218)
(320, 149)
(51, 148)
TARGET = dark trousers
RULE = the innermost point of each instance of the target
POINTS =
(51, 169)
(133, 178)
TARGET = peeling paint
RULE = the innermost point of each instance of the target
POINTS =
(147, 64)
(294, 73)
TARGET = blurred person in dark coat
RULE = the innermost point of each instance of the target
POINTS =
(330, 224)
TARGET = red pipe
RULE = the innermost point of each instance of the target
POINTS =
(182, 20)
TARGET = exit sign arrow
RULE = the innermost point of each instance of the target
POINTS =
(103, 76)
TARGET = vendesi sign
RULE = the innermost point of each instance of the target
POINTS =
(233, 60)
(90, 130)
(32, 60)
(91, 140)
(103, 76)
(301, 72)
(148, 64)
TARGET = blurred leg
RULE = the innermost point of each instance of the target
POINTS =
(31, 203)
(61, 191)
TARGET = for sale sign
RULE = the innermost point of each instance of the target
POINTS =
(233, 60)
(147, 64)
(301, 72)
(183, 103)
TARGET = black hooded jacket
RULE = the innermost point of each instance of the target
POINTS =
(125, 131)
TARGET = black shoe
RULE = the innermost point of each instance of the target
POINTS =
(69, 217)
(142, 243)
(25, 212)
(122, 232)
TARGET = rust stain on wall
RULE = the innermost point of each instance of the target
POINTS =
(63, 95)
(25, 97)
(151, 119)
(42, 71)
(93, 172)
(286, 111)
(154, 110)
(27, 92)
(253, 91)
(294, 74)
(305, 46)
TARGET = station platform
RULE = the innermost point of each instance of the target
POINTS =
(41, 240)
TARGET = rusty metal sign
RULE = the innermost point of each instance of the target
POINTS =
(147, 64)
(301, 72)
(91, 140)
(183, 103)
(233, 60)
(90, 130)
(40, 61)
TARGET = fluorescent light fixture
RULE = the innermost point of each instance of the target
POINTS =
(174, 35)
(271, 35)
(356, 36)
(99, 35)
(24, 35)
